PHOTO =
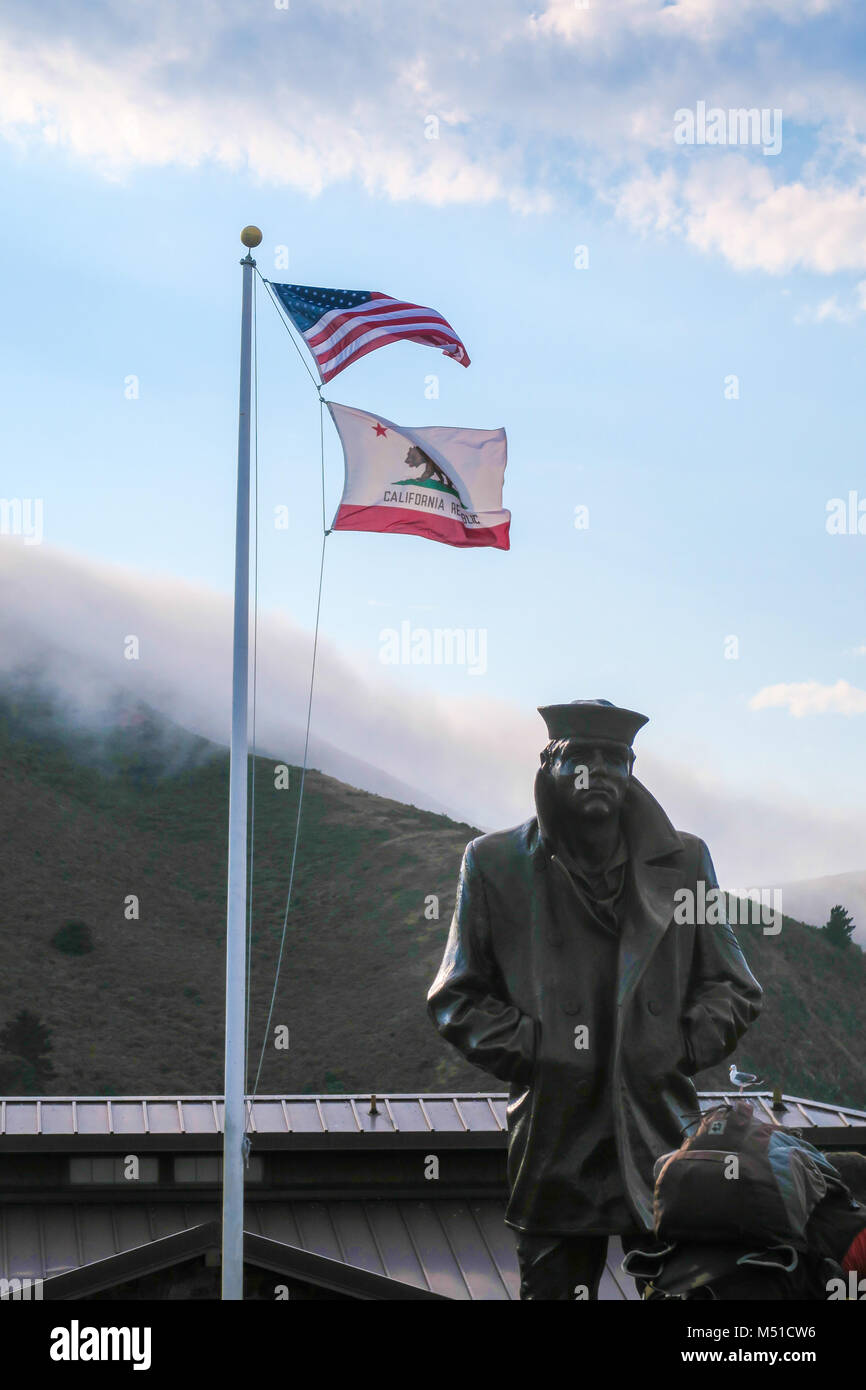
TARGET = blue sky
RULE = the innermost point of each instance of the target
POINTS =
(130, 176)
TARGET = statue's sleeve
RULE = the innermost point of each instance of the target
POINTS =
(467, 1001)
(724, 997)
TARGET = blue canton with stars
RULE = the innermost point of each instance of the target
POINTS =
(305, 304)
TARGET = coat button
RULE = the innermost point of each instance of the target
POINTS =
(654, 1007)
(571, 1005)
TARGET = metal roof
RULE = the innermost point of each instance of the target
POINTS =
(373, 1249)
(795, 1112)
(456, 1249)
(301, 1116)
(368, 1247)
(472, 1120)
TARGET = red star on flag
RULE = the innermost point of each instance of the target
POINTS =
(380, 430)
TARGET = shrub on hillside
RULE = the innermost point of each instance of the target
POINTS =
(16, 1076)
(73, 939)
(25, 1066)
(840, 927)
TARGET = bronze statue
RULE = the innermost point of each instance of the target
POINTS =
(565, 976)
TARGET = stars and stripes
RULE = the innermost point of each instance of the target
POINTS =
(340, 326)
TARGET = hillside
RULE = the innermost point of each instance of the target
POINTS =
(88, 819)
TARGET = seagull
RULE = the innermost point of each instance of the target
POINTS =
(742, 1079)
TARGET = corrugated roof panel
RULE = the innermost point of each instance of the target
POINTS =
(275, 1220)
(467, 1242)
(316, 1230)
(57, 1117)
(61, 1248)
(53, 1239)
(489, 1213)
(162, 1117)
(478, 1115)
(356, 1237)
(443, 1115)
(134, 1227)
(441, 1270)
(408, 1114)
(198, 1117)
(127, 1117)
(819, 1116)
(789, 1115)
(464, 1247)
(23, 1244)
(21, 1117)
(97, 1235)
(380, 1123)
(392, 1234)
(763, 1108)
(93, 1117)
(268, 1116)
(166, 1218)
(338, 1115)
(500, 1105)
(303, 1115)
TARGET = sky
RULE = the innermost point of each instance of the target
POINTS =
(672, 335)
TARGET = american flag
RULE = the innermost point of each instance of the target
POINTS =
(341, 325)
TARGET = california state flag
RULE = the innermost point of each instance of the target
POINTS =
(438, 482)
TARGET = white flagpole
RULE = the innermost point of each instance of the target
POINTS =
(236, 912)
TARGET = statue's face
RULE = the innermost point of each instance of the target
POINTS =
(590, 777)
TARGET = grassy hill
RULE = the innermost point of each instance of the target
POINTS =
(89, 819)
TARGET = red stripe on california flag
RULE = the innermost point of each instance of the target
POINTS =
(404, 521)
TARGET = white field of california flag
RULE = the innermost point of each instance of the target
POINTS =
(438, 482)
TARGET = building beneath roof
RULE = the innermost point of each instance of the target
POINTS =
(395, 1197)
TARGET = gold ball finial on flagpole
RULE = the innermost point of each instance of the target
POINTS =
(250, 237)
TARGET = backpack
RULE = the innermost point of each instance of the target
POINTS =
(693, 1271)
(741, 1180)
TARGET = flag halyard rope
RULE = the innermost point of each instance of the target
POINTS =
(296, 840)
(297, 823)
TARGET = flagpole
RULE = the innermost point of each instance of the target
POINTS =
(236, 944)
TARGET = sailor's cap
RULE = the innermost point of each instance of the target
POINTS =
(592, 719)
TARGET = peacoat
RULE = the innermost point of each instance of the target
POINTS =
(596, 1027)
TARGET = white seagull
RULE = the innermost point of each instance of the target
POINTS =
(742, 1079)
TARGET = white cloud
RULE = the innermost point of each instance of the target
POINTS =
(304, 98)
(830, 310)
(731, 207)
(811, 697)
(700, 21)
(526, 97)
(70, 617)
